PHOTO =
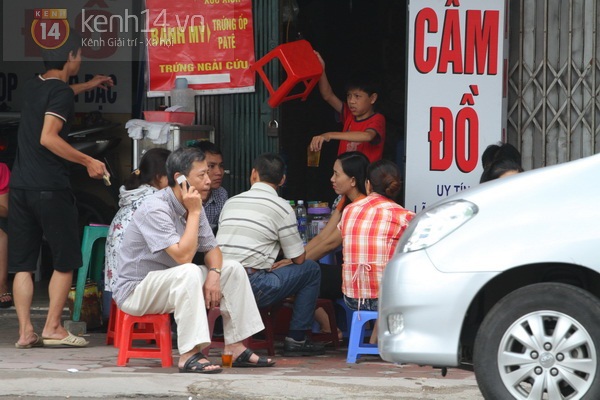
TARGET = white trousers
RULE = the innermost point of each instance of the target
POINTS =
(178, 290)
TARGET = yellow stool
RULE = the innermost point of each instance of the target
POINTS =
(92, 251)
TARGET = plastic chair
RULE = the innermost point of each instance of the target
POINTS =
(92, 250)
(301, 66)
(161, 333)
(356, 347)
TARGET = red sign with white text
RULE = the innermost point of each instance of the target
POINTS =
(210, 43)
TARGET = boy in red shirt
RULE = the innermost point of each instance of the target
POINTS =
(364, 128)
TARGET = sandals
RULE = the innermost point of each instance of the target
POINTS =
(192, 365)
(243, 361)
(6, 303)
(39, 342)
(69, 341)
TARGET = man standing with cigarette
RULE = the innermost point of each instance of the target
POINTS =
(42, 204)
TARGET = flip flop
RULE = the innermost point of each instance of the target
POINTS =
(243, 361)
(6, 303)
(192, 365)
(39, 342)
(69, 341)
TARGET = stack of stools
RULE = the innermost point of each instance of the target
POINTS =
(92, 250)
(356, 345)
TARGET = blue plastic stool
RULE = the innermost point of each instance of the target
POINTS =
(356, 347)
(345, 327)
(92, 244)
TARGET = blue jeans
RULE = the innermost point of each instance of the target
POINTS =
(367, 304)
(302, 280)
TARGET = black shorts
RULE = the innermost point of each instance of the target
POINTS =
(49, 214)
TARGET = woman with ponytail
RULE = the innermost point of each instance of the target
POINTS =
(149, 178)
(370, 230)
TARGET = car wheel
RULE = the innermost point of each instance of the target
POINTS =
(540, 342)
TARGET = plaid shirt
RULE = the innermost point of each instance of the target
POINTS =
(214, 204)
(370, 229)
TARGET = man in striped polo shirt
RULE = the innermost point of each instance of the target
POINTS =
(253, 227)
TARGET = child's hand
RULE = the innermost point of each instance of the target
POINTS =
(317, 142)
(320, 58)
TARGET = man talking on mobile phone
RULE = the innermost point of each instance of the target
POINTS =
(155, 273)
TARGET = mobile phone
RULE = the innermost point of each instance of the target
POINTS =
(181, 179)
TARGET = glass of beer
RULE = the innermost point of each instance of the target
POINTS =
(312, 158)
(227, 359)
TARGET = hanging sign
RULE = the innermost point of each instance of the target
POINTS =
(106, 48)
(209, 42)
(455, 96)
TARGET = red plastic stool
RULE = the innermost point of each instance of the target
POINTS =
(161, 333)
(111, 330)
(251, 342)
(115, 321)
(268, 342)
(301, 65)
(333, 335)
(213, 315)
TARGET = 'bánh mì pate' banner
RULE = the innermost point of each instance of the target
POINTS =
(208, 42)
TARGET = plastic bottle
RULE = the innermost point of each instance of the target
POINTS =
(303, 237)
(183, 96)
(317, 219)
(301, 217)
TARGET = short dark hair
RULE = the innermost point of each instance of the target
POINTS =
(152, 166)
(182, 160)
(270, 168)
(58, 57)
(207, 147)
(354, 164)
(499, 168)
(487, 158)
(363, 80)
(500, 151)
(385, 178)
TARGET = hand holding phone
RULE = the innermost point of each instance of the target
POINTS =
(181, 179)
(191, 198)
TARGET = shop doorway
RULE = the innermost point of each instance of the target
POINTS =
(352, 36)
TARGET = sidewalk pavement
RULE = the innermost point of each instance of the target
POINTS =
(91, 372)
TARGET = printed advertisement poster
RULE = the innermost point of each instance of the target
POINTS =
(30, 25)
(456, 94)
(210, 43)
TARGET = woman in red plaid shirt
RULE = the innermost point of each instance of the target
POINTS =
(370, 229)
